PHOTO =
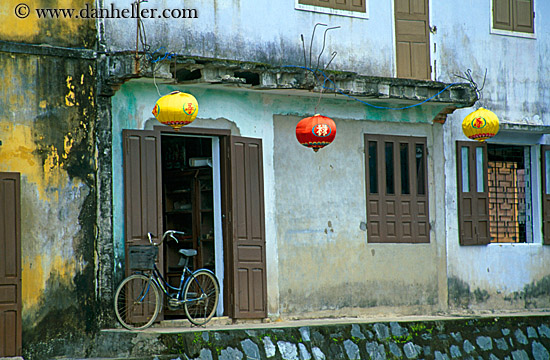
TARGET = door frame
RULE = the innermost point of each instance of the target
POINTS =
(223, 135)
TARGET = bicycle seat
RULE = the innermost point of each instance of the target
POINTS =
(188, 252)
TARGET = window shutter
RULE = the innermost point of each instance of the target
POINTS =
(397, 189)
(357, 5)
(340, 4)
(473, 195)
(523, 16)
(545, 170)
(350, 5)
(412, 38)
(502, 14)
(311, 2)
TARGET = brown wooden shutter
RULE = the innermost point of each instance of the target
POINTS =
(473, 196)
(247, 246)
(401, 214)
(523, 16)
(142, 188)
(351, 5)
(502, 14)
(412, 39)
(545, 170)
(514, 15)
(10, 265)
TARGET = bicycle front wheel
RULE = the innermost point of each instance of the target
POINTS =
(137, 302)
(201, 296)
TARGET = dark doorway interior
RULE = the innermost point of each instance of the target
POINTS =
(188, 203)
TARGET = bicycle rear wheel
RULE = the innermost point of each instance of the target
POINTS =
(201, 296)
(137, 302)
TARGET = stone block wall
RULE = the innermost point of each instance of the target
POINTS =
(511, 338)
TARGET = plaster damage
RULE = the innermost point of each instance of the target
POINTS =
(46, 129)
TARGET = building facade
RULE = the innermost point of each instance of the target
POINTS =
(401, 213)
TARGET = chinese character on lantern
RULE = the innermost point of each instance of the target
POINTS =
(316, 131)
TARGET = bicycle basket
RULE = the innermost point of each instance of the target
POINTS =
(142, 257)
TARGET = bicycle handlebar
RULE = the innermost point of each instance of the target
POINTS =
(167, 233)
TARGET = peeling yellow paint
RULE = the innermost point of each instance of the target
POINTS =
(37, 270)
(67, 145)
(91, 97)
(70, 97)
(17, 153)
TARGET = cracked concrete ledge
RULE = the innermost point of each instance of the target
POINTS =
(293, 79)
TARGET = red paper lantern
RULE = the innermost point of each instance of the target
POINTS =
(316, 131)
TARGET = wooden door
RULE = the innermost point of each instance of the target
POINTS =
(10, 265)
(412, 36)
(142, 188)
(247, 245)
(142, 194)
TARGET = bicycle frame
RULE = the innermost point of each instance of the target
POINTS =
(165, 287)
(156, 276)
(186, 276)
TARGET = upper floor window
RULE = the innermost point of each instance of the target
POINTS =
(514, 15)
(353, 8)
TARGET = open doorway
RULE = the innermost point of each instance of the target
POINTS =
(191, 191)
(237, 214)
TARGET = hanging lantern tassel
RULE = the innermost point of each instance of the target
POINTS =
(480, 125)
(176, 109)
(316, 131)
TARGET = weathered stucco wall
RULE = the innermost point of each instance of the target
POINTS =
(503, 275)
(325, 260)
(20, 23)
(263, 31)
(317, 255)
(47, 120)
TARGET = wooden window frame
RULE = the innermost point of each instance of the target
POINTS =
(545, 197)
(481, 213)
(512, 28)
(333, 8)
(397, 217)
(473, 205)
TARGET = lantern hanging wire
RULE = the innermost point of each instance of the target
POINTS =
(308, 66)
(469, 78)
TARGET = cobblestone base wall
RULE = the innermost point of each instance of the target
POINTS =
(513, 338)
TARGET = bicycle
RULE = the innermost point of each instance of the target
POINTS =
(139, 297)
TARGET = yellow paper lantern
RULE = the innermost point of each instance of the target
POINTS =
(176, 109)
(480, 125)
